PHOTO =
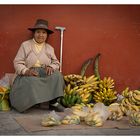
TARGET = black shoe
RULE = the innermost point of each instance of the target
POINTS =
(57, 107)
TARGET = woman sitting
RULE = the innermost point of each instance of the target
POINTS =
(38, 78)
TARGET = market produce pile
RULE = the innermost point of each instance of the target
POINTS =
(87, 91)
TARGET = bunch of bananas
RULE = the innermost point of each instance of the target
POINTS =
(69, 100)
(83, 86)
(105, 93)
(86, 96)
(94, 119)
(135, 118)
(82, 110)
(134, 98)
(126, 93)
(127, 107)
(132, 95)
(131, 101)
(115, 110)
(4, 89)
(74, 80)
(90, 105)
(80, 83)
(107, 83)
(78, 107)
(81, 106)
(69, 90)
(71, 119)
(92, 80)
(50, 121)
(85, 90)
(4, 93)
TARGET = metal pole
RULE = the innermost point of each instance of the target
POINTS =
(61, 51)
(61, 45)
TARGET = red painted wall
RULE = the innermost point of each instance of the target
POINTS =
(112, 30)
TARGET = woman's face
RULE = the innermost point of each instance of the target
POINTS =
(40, 35)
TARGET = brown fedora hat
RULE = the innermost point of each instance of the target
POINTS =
(41, 24)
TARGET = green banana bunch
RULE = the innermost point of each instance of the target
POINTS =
(70, 100)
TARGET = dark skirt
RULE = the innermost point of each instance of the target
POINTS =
(28, 91)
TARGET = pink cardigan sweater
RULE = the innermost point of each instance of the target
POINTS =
(27, 56)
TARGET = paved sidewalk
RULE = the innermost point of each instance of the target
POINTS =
(8, 126)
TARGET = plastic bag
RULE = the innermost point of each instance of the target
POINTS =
(7, 80)
(51, 119)
(94, 119)
(115, 110)
(82, 113)
(4, 105)
(119, 97)
(102, 110)
(4, 82)
(98, 116)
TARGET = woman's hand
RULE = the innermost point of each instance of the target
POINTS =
(49, 70)
(31, 72)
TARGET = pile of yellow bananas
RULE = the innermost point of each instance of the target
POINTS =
(135, 118)
(105, 93)
(83, 86)
(131, 101)
(116, 112)
(85, 91)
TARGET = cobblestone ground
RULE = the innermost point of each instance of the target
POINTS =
(8, 126)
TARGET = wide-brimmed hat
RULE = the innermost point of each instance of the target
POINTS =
(41, 24)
